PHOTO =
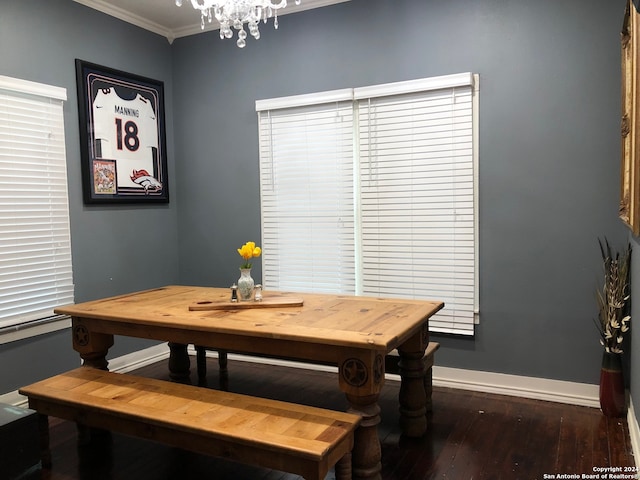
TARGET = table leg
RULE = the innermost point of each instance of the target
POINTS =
(92, 347)
(367, 453)
(413, 400)
(45, 450)
(179, 363)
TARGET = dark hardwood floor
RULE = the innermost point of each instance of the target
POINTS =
(471, 436)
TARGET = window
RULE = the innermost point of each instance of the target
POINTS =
(307, 197)
(35, 245)
(372, 191)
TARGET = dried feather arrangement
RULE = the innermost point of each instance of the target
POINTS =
(613, 298)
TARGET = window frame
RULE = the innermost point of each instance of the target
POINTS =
(356, 95)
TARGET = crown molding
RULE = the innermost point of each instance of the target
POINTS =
(128, 17)
(172, 33)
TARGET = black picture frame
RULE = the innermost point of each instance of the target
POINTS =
(122, 136)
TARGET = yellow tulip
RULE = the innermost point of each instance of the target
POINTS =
(247, 251)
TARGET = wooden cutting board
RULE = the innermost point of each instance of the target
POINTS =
(266, 302)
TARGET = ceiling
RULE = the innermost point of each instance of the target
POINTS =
(165, 18)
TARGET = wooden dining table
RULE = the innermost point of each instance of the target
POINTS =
(352, 332)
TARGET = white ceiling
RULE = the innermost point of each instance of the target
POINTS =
(164, 18)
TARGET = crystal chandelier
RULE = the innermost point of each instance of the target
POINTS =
(235, 13)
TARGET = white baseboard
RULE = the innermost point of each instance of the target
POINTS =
(139, 359)
(13, 398)
(573, 393)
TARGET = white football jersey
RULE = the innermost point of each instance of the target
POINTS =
(127, 131)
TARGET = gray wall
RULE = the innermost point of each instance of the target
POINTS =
(115, 249)
(549, 151)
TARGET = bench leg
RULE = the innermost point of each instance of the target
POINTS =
(428, 381)
(45, 451)
(179, 362)
(343, 468)
(222, 362)
(428, 389)
(367, 452)
(201, 359)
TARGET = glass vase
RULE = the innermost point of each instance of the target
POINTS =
(245, 285)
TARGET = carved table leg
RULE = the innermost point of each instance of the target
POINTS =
(179, 363)
(96, 360)
(92, 347)
(412, 394)
(367, 453)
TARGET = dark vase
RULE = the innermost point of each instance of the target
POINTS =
(612, 395)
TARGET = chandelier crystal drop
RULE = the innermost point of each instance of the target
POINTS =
(235, 13)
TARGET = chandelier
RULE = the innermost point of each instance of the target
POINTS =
(235, 13)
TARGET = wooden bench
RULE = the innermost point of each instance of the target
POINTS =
(391, 366)
(304, 440)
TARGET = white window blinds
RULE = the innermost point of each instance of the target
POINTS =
(407, 161)
(417, 200)
(307, 228)
(35, 245)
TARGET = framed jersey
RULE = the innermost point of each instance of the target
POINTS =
(122, 136)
